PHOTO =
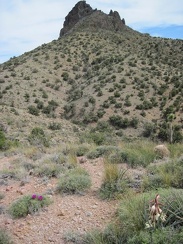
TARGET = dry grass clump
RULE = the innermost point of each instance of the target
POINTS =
(74, 181)
(114, 181)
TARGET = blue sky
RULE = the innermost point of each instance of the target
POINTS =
(27, 24)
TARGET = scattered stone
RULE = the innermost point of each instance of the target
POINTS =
(20, 191)
(2, 209)
(3, 182)
(60, 213)
(82, 160)
(88, 214)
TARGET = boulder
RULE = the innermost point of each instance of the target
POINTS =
(162, 151)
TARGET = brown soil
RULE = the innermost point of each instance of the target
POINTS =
(66, 214)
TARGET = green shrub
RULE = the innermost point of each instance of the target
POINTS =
(38, 137)
(54, 126)
(27, 205)
(4, 237)
(2, 140)
(65, 76)
(97, 138)
(102, 151)
(82, 150)
(173, 208)
(73, 181)
(33, 110)
(149, 130)
(118, 122)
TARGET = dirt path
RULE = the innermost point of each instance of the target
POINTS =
(67, 214)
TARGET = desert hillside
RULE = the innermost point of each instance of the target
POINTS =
(91, 132)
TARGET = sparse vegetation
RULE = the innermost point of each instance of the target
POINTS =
(98, 95)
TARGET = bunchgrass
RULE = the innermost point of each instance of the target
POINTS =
(114, 181)
(48, 168)
(167, 174)
(175, 149)
(100, 151)
(138, 153)
(73, 181)
(16, 170)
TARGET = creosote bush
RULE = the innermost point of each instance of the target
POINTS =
(74, 181)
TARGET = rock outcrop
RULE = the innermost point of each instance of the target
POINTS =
(80, 10)
(82, 15)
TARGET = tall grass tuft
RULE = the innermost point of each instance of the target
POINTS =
(114, 181)
(138, 153)
(176, 150)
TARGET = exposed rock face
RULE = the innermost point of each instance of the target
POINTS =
(82, 14)
(80, 10)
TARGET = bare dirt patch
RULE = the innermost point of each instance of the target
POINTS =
(67, 213)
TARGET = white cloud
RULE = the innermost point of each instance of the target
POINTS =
(26, 24)
(147, 13)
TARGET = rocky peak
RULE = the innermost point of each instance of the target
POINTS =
(79, 11)
(91, 18)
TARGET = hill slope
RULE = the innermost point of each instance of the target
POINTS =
(95, 72)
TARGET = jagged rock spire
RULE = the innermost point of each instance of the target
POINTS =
(82, 10)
